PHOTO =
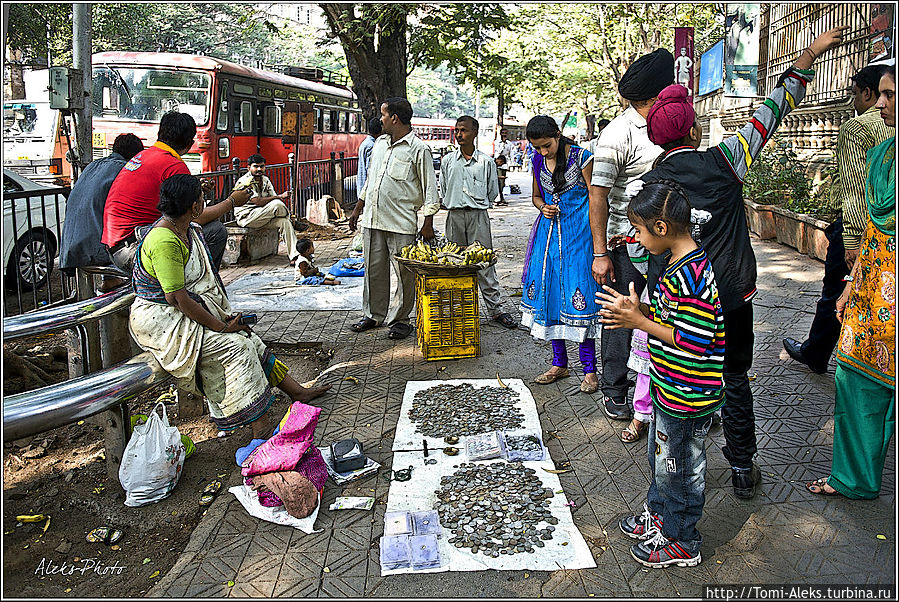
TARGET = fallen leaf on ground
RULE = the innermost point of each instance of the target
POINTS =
(154, 575)
(883, 537)
(146, 560)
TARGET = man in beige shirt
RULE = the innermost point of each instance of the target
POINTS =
(401, 180)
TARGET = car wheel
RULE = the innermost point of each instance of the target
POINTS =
(31, 262)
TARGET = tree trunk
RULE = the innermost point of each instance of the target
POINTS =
(377, 73)
(15, 86)
(591, 125)
(500, 108)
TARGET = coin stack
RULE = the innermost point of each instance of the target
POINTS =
(495, 509)
(464, 410)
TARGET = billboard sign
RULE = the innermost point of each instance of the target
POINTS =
(683, 57)
(741, 51)
(711, 69)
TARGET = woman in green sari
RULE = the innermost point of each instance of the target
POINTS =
(866, 377)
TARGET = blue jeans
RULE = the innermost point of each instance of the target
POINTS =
(677, 462)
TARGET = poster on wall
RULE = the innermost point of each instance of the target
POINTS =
(881, 45)
(711, 69)
(683, 57)
(741, 50)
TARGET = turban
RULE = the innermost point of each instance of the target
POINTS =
(671, 115)
(647, 75)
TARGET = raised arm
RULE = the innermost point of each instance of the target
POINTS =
(741, 149)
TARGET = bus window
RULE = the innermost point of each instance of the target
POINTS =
(354, 122)
(344, 122)
(279, 93)
(243, 89)
(221, 121)
(327, 122)
(243, 122)
(319, 118)
(271, 125)
(145, 94)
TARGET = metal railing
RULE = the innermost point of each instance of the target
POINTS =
(47, 408)
(32, 231)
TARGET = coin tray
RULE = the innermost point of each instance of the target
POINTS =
(395, 552)
(483, 447)
(426, 522)
(397, 523)
(424, 551)
(522, 446)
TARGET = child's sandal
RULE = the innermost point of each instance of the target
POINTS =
(633, 433)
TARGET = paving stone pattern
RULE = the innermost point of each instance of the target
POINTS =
(783, 535)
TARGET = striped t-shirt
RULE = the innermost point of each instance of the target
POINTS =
(687, 378)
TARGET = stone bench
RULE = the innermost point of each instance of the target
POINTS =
(249, 243)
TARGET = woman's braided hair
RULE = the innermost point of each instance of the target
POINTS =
(663, 200)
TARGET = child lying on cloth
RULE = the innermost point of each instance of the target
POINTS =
(305, 272)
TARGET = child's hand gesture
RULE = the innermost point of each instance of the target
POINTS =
(620, 311)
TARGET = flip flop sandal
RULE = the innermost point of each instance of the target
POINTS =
(363, 325)
(820, 484)
(400, 330)
(214, 487)
(107, 535)
(632, 434)
(547, 379)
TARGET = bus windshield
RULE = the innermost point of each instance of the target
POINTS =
(28, 120)
(146, 94)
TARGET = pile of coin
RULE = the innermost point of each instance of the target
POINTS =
(495, 509)
(464, 410)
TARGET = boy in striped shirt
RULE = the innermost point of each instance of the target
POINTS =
(685, 324)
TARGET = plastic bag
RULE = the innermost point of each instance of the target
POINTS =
(152, 462)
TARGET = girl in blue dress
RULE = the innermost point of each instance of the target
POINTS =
(558, 300)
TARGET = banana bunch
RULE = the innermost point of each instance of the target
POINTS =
(477, 253)
(448, 253)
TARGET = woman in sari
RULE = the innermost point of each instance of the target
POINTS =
(865, 377)
(558, 300)
(182, 316)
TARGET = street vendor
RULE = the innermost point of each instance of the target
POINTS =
(468, 187)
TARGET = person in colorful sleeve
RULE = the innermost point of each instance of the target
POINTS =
(713, 180)
(686, 344)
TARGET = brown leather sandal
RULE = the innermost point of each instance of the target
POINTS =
(634, 433)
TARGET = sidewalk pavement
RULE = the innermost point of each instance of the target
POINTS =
(783, 535)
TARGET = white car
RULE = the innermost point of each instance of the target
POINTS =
(29, 251)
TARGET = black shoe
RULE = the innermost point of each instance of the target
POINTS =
(746, 481)
(794, 350)
(616, 410)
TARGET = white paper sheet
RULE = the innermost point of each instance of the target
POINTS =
(408, 437)
(566, 550)
(276, 290)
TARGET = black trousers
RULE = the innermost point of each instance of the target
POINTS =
(615, 345)
(737, 416)
(825, 330)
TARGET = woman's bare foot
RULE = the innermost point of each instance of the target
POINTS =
(307, 394)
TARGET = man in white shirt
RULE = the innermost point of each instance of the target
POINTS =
(469, 186)
(622, 154)
(401, 180)
(265, 208)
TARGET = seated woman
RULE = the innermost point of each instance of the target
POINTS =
(182, 316)
(305, 272)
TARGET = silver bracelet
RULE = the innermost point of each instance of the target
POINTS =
(606, 254)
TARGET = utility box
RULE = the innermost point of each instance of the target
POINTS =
(66, 88)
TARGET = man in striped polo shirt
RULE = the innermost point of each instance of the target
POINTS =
(857, 136)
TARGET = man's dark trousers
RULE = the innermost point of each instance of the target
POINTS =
(825, 330)
(737, 415)
(615, 345)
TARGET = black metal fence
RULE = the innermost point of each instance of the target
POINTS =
(32, 231)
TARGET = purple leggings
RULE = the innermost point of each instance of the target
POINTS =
(587, 352)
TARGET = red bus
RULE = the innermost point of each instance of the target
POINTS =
(237, 108)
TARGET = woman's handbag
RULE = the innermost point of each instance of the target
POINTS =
(152, 462)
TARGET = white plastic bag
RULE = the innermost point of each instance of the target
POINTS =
(152, 462)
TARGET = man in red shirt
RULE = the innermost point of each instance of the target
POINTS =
(134, 194)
